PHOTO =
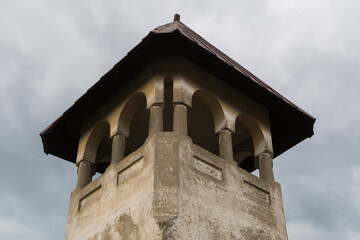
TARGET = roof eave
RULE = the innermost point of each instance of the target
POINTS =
(260, 90)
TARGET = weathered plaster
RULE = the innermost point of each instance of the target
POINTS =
(172, 189)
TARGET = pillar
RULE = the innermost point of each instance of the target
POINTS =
(180, 119)
(156, 119)
(84, 174)
(266, 166)
(118, 148)
(225, 144)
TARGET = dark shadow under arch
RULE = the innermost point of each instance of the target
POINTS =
(98, 147)
(247, 139)
(168, 104)
(134, 122)
(201, 126)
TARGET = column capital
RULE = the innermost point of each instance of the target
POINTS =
(82, 160)
(181, 103)
(157, 105)
(264, 152)
(117, 133)
(225, 129)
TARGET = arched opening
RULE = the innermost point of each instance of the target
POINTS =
(98, 147)
(103, 155)
(205, 118)
(247, 140)
(134, 123)
(243, 148)
(168, 104)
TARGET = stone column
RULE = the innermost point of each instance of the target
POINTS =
(180, 119)
(225, 144)
(156, 119)
(84, 174)
(118, 148)
(266, 167)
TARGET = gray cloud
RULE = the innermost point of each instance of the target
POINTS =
(52, 52)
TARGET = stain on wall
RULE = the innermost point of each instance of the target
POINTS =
(126, 228)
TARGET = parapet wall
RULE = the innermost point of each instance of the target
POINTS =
(172, 189)
(219, 200)
(118, 204)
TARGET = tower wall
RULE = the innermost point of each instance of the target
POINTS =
(172, 189)
(219, 200)
(118, 204)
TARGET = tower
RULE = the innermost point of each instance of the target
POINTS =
(175, 130)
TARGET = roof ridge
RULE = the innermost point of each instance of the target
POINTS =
(166, 28)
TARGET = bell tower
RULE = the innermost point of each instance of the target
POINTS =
(167, 141)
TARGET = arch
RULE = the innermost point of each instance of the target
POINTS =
(245, 160)
(253, 129)
(127, 113)
(99, 133)
(248, 142)
(214, 106)
(134, 122)
(205, 117)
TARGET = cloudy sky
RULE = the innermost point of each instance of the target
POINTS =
(51, 52)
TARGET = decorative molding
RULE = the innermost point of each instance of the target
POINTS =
(130, 170)
(207, 168)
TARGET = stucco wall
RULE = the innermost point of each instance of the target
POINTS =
(118, 204)
(173, 189)
(219, 200)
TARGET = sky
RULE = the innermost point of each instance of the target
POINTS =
(51, 52)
